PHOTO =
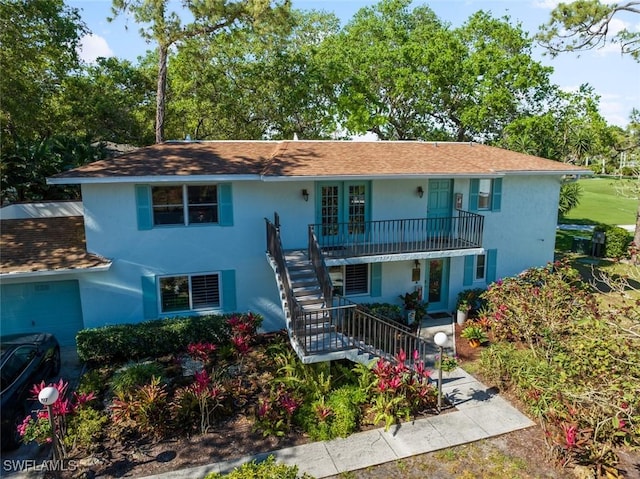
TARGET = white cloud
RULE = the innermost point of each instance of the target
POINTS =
(615, 109)
(93, 46)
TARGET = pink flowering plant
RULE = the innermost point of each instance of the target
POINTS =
(573, 358)
(36, 427)
(275, 413)
(201, 351)
(400, 389)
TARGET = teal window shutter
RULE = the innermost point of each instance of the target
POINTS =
(376, 280)
(149, 297)
(474, 189)
(492, 256)
(229, 290)
(468, 271)
(225, 204)
(496, 194)
(144, 207)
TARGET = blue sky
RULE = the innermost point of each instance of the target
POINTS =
(615, 78)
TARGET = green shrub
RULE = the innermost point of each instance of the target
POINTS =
(268, 469)
(124, 342)
(617, 241)
(337, 416)
(85, 428)
(94, 380)
(130, 377)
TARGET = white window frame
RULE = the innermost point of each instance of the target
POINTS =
(190, 307)
(185, 206)
(339, 280)
(485, 193)
(480, 267)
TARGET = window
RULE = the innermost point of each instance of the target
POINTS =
(350, 279)
(189, 292)
(485, 194)
(200, 202)
(480, 266)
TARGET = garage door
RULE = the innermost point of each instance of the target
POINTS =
(47, 307)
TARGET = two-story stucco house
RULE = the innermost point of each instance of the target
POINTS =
(179, 228)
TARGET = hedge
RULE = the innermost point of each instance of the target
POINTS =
(617, 241)
(125, 342)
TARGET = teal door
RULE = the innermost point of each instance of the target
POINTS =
(439, 207)
(437, 284)
(43, 307)
(342, 211)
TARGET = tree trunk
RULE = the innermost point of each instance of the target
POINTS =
(161, 91)
(635, 258)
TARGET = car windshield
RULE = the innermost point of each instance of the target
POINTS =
(15, 363)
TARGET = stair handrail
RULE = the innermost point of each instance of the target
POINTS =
(391, 334)
(275, 250)
(320, 266)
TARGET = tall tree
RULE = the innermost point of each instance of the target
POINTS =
(586, 24)
(210, 17)
(583, 25)
(404, 74)
(110, 100)
(251, 85)
(39, 40)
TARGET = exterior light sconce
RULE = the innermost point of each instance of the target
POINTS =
(415, 271)
(305, 194)
(419, 191)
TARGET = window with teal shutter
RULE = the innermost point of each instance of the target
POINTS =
(149, 297)
(376, 280)
(474, 188)
(468, 271)
(496, 197)
(143, 206)
(229, 290)
(226, 204)
(485, 194)
(492, 259)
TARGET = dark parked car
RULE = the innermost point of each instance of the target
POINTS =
(25, 359)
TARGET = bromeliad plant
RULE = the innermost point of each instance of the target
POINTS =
(38, 428)
(400, 390)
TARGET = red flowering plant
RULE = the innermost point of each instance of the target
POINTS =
(274, 414)
(201, 351)
(36, 427)
(199, 402)
(400, 389)
(243, 330)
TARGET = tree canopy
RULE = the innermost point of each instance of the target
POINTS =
(587, 24)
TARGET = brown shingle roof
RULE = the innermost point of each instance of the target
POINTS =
(45, 244)
(315, 159)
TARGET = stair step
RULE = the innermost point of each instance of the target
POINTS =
(306, 286)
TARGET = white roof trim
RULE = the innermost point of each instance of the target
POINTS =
(151, 179)
(54, 272)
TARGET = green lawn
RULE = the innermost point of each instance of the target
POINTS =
(601, 203)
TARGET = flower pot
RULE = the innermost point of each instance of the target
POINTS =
(461, 316)
(474, 343)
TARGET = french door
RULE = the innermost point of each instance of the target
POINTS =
(342, 211)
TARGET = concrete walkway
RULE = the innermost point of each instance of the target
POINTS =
(480, 413)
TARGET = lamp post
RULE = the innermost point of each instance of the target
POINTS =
(47, 397)
(440, 339)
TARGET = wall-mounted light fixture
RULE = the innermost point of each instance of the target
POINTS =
(305, 194)
(415, 271)
(420, 191)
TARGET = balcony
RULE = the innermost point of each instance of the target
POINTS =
(395, 237)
